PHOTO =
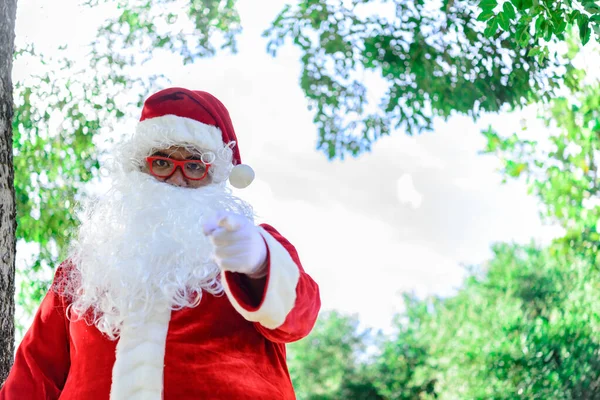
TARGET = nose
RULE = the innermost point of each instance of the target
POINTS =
(177, 179)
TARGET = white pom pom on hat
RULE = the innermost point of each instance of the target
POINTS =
(198, 118)
(241, 176)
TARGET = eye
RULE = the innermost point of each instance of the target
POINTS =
(195, 166)
(161, 163)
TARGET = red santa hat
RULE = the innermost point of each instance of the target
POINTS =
(197, 118)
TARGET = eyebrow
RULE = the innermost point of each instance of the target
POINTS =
(192, 157)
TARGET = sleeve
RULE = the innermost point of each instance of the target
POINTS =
(290, 302)
(42, 360)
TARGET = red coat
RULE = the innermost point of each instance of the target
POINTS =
(222, 349)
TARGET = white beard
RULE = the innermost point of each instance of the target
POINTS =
(142, 246)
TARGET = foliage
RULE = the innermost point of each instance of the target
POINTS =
(435, 60)
(562, 171)
(559, 286)
(187, 28)
(49, 164)
(523, 329)
(542, 20)
(402, 369)
(327, 365)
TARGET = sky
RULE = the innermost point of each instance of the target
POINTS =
(406, 217)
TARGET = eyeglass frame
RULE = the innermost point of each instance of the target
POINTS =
(178, 164)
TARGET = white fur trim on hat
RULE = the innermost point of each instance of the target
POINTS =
(174, 129)
(168, 130)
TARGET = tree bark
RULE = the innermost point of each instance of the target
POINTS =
(8, 224)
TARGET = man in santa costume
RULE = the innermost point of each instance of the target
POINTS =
(170, 291)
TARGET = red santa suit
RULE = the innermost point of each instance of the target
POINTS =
(228, 347)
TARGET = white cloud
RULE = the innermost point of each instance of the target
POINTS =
(407, 194)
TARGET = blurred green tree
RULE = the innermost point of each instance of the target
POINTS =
(522, 327)
(332, 363)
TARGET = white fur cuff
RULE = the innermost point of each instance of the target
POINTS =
(280, 294)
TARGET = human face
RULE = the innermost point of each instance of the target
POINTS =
(178, 178)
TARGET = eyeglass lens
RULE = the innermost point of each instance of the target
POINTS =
(192, 169)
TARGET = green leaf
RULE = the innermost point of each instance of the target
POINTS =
(515, 169)
(527, 4)
(523, 35)
(492, 27)
(547, 30)
(591, 7)
(485, 15)
(503, 20)
(584, 28)
(518, 4)
(534, 51)
(509, 11)
(488, 5)
(539, 22)
(595, 20)
(560, 26)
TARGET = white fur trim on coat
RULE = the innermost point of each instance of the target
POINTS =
(173, 129)
(281, 287)
(140, 359)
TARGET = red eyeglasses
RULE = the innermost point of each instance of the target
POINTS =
(164, 167)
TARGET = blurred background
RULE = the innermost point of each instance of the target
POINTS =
(434, 163)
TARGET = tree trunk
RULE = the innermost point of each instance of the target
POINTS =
(8, 224)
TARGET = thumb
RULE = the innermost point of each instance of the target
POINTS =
(231, 222)
(212, 223)
(210, 226)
